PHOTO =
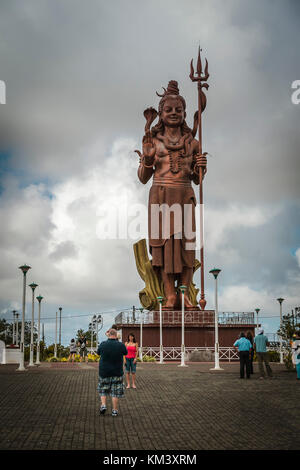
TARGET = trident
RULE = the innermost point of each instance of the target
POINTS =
(201, 96)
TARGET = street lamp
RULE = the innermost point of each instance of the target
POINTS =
(99, 321)
(91, 330)
(280, 300)
(94, 328)
(141, 334)
(215, 272)
(17, 329)
(39, 298)
(24, 270)
(55, 344)
(182, 290)
(257, 311)
(161, 358)
(59, 338)
(14, 328)
(33, 287)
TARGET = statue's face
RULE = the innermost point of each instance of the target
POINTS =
(173, 113)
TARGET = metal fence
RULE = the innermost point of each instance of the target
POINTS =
(228, 354)
(173, 317)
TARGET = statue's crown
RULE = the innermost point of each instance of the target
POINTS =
(171, 90)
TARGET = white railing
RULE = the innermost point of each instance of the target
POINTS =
(174, 353)
(227, 354)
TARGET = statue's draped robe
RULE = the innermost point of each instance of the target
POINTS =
(169, 245)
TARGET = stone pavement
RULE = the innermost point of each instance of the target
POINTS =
(55, 406)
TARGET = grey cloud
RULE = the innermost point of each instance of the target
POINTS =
(64, 250)
(80, 75)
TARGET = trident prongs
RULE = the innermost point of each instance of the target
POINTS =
(200, 78)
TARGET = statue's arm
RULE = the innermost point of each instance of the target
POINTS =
(147, 159)
(145, 171)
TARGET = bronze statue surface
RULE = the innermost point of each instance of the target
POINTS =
(171, 158)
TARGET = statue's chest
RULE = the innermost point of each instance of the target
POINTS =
(175, 160)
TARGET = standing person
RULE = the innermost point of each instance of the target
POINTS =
(73, 350)
(82, 342)
(131, 359)
(296, 353)
(250, 337)
(244, 347)
(111, 375)
(260, 344)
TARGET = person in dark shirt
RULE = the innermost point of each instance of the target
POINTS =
(111, 374)
(82, 343)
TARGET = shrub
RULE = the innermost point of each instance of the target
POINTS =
(147, 359)
(288, 361)
(274, 356)
(53, 359)
(93, 358)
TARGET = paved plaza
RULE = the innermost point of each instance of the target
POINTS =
(56, 406)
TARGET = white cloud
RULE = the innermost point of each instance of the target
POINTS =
(219, 223)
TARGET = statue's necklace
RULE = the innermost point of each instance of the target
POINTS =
(176, 151)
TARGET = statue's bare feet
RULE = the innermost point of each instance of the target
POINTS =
(187, 302)
(171, 301)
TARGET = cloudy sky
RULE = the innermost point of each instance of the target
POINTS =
(78, 77)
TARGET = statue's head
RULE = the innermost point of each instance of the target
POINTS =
(171, 109)
(172, 92)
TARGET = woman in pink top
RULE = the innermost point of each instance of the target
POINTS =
(130, 359)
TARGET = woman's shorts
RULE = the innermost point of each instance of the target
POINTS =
(113, 386)
(83, 352)
(130, 365)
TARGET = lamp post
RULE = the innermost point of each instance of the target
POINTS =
(39, 298)
(91, 330)
(280, 300)
(257, 311)
(14, 324)
(59, 338)
(99, 320)
(33, 287)
(141, 334)
(182, 364)
(215, 272)
(17, 329)
(14, 328)
(161, 358)
(24, 270)
(55, 344)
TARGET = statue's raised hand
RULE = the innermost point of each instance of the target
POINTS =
(149, 148)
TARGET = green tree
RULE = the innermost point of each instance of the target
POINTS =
(6, 332)
(289, 326)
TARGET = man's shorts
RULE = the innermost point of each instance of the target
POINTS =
(130, 365)
(113, 386)
(83, 352)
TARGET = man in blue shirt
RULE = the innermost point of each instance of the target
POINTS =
(260, 346)
(244, 347)
(111, 374)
